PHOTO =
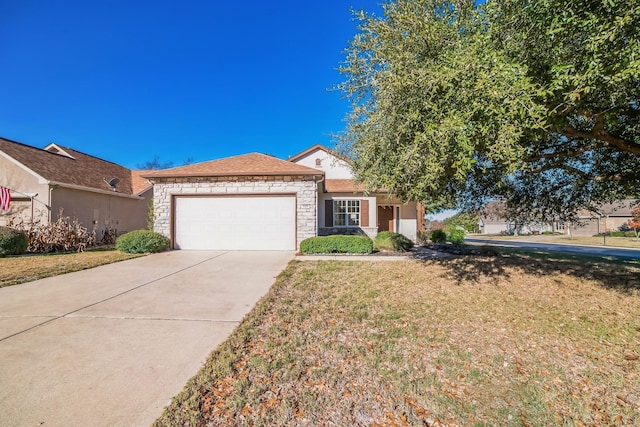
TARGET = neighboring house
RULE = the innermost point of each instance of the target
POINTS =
(607, 217)
(45, 181)
(259, 202)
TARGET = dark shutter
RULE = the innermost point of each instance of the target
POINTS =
(364, 213)
(328, 213)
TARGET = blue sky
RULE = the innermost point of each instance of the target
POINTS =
(129, 80)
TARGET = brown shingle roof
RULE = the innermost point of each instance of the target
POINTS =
(81, 170)
(243, 165)
(138, 183)
(342, 186)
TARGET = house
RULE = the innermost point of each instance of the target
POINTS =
(258, 202)
(605, 218)
(43, 182)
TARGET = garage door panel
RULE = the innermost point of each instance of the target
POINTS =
(235, 223)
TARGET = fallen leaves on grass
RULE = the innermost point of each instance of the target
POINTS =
(417, 343)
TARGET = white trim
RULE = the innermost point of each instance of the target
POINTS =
(93, 190)
(345, 199)
(41, 179)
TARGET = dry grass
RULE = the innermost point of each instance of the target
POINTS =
(510, 340)
(621, 242)
(16, 270)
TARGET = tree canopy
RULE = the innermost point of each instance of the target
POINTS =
(536, 102)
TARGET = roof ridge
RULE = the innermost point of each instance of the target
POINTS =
(88, 155)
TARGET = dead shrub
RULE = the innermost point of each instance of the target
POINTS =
(64, 235)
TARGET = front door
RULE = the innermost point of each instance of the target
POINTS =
(385, 218)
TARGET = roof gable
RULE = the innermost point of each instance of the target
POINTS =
(71, 168)
(242, 165)
(321, 158)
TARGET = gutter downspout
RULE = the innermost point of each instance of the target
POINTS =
(51, 187)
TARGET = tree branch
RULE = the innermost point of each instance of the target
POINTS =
(598, 133)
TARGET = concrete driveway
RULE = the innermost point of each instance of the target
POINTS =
(112, 345)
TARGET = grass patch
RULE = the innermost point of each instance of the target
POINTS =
(508, 340)
(26, 268)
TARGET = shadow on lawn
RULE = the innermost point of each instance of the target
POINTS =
(618, 275)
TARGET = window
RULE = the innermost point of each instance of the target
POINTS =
(346, 213)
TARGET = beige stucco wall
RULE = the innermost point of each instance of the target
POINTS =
(304, 187)
(333, 167)
(18, 180)
(100, 210)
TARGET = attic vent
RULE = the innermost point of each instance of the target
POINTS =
(318, 162)
(56, 149)
(112, 183)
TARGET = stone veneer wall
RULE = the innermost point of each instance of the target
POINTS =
(304, 187)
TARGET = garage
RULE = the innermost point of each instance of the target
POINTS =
(239, 222)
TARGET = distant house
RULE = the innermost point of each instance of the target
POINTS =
(258, 202)
(100, 194)
(605, 218)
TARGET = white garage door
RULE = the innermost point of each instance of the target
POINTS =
(235, 223)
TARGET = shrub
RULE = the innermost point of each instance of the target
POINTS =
(12, 241)
(547, 233)
(456, 235)
(438, 236)
(390, 241)
(616, 233)
(142, 242)
(337, 244)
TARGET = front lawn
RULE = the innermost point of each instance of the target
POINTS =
(506, 340)
(26, 268)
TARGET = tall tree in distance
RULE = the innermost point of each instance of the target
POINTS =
(533, 102)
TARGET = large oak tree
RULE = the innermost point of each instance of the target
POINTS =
(533, 101)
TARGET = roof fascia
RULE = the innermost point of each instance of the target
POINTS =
(93, 190)
(318, 174)
(310, 150)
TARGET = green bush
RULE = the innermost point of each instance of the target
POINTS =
(390, 241)
(142, 242)
(548, 233)
(438, 236)
(456, 235)
(337, 244)
(616, 234)
(12, 241)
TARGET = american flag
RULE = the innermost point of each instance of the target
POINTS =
(5, 198)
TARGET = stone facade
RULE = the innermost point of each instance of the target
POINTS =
(304, 187)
